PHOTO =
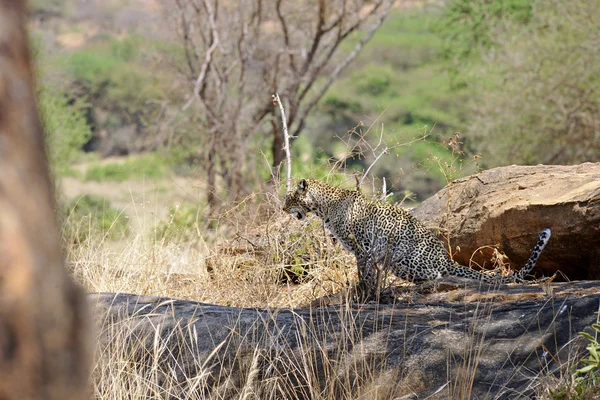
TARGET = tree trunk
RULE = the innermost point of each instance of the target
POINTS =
(211, 179)
(43, 340)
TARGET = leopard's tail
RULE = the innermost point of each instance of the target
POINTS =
(542, 241)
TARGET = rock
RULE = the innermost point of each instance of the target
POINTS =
(43, 343)
(508, 206)
(465, 342)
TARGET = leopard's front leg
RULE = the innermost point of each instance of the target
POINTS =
(367, 276)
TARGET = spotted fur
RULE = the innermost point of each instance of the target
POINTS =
(386, 235)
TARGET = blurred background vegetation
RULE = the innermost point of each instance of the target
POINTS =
(519, 80)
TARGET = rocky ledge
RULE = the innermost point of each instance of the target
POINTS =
(459, 340)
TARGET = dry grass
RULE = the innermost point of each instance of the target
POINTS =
(257, 363)
(248, 260)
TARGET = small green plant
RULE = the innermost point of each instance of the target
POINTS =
(454, 164)
(90, 214)
(584, 382)
(183, 225)
(593, 360)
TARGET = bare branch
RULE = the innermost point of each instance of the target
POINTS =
(200, 81)
(286, 147)
(286, 36)
(316, 40)
(383, 190)
(341, 36)
(336, 72)
(384, 151)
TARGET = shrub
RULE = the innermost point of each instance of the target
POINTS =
(55, 7)
(535, 96)
(63, 119)
(114, 76)
(374, 80)
(65, 126)
(89, 215)
(184, 224)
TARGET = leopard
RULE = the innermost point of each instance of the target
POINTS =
(385, 236)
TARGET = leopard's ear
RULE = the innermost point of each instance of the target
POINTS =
(302, 185)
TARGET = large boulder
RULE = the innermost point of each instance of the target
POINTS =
(465, 342)
(508, 206)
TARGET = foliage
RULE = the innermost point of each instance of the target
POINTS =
(112, 73)
(65, 126)
(593, 347)
(399, 80)
(149, 166)
(536, 97)
(375, 81)
(63, 118)
(90, 215)
(116, 76)
(469, 27)
(583, 384)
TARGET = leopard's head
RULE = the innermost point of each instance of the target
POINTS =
(314, 196)
(299, 202)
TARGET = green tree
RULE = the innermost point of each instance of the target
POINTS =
(65, 126)
(535, 84)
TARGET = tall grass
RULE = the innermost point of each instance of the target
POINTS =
(238, 259)
(250, 256)
(255, 362)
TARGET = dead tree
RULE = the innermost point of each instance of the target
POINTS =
(43, 348)
(237, 54)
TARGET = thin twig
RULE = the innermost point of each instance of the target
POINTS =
(337, 70)
(384, 151)
(208, 58)
(286, 146)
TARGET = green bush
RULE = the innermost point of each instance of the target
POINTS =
(65, 126)
(114, 75)
(184, 224)
(63, 119)
(90, 215)
(536, 95)
(373, 81)
(56, 7)
(333, 105)
(469, 26)
(92, 67)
